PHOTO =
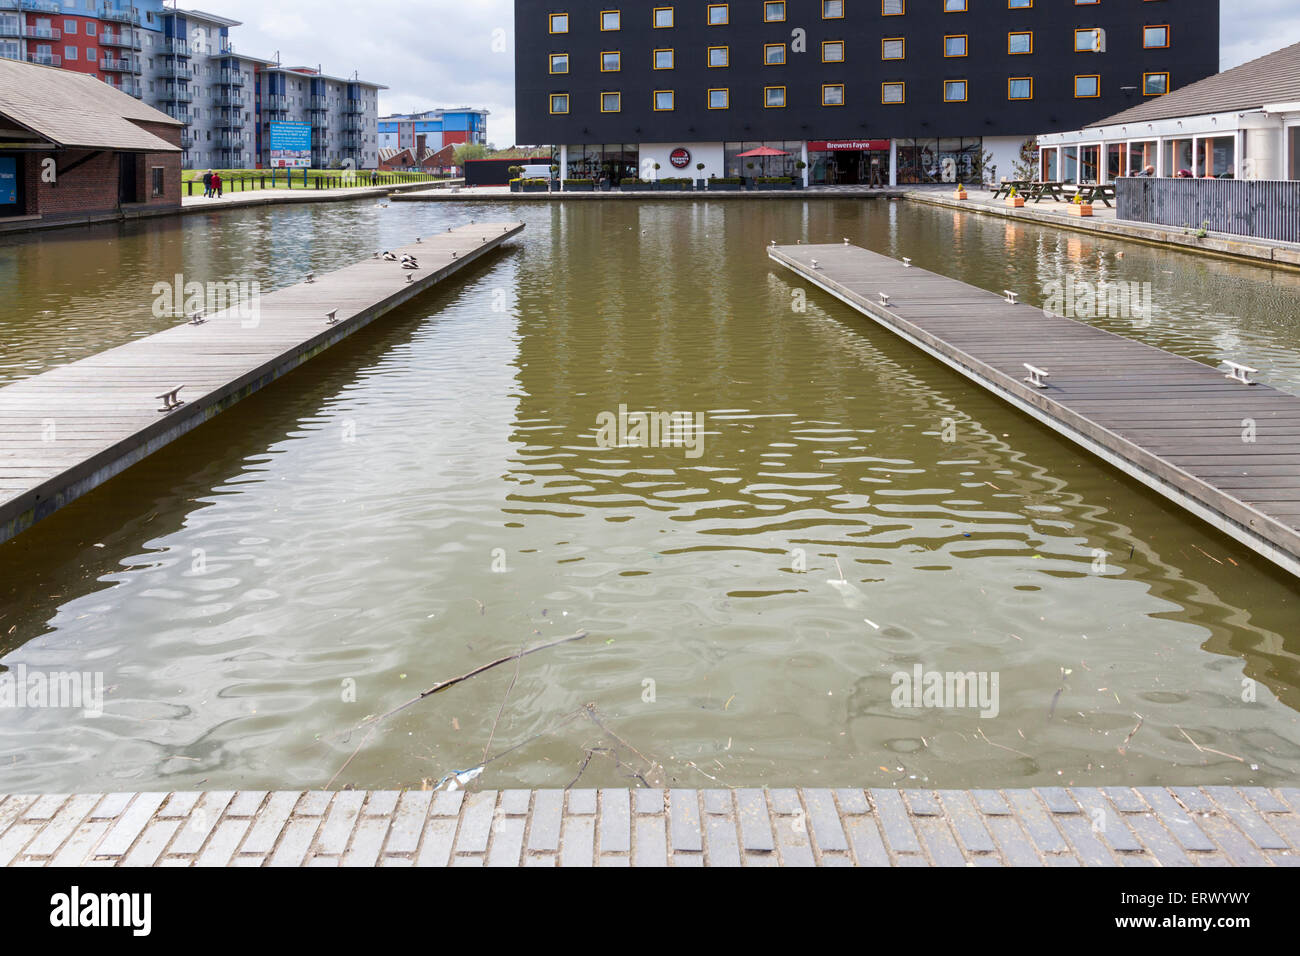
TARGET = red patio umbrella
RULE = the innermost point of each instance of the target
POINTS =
(763, 152)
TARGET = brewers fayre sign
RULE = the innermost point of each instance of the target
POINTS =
(838, 145)
(680, 157)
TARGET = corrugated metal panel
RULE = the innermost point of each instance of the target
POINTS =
(1261, 209)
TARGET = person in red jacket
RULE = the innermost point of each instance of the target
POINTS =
(216, 183)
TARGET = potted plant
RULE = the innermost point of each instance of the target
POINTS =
(579, 185)
(515, 173)
(960, 192)
(798, 180)
(1014, 199)
(728, 184)
(534, 185)
(1078, 207)
(699, 183)
(632, 184)
(774, 182)
(675, 184)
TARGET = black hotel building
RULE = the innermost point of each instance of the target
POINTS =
(907, 90)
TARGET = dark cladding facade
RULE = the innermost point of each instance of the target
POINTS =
(653, 77)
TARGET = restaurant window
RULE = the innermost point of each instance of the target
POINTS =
(774, 54)
(893, 48)
(610, 20)
(1217, 157)
(833, 94)
(559, 63)
(559, 103)
(774, 97)
(774, 11)
(663, 59)
(611, 102)
(1022, 42)
(1177, 157)
(832, 9)
(1293, 151)
(833, 51)
(954, 46)
(1141, 155)
(719, 56)
(1154, 38)
(1155, 84)
(1086, 87)
(954, 91)
(663, 17)
(559, 23)
(719, 99)
(664, 100)
(1020, 88)
(893, 92)
(611, 61)
(719, 14)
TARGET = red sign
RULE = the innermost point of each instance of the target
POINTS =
(836, 145)
(680, 157)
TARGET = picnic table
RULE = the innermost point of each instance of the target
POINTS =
(1004, 188)
(1092, 192)
(1046, 190)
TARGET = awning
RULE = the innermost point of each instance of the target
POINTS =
(762, 151)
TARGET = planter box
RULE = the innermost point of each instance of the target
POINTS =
(637, 188)
(582, 188)
(534, 189)
(1015, 202)
(672, 187)
(785, 187)
(724, 187)
(960, 194)
(1080, 209)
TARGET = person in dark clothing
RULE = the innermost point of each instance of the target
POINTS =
(207, 183)
(216, 184)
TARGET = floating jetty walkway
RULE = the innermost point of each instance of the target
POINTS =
(74, 427)
(1051, 826)
(1226, 451)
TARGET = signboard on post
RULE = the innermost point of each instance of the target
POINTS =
(290, 145)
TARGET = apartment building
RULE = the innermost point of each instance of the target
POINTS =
(441, 127)
(184, 63)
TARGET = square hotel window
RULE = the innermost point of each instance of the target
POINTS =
(774, 97)
(893, 48)
(774, 11)
(611, 61)
(663, 17)
(1019, 4)
(719, 14)
(954, 6)
(664, 100)
(610, 20)
(1086, 87)
(832, 9)
(663, 59)
(893, 92)
(559, 63)
(774, 54)
(719, 56)
(832, 51)
(1020, 88)
(1020, 42)
(719, 99)
(1154, 38)
(559, 102)
(559, 23)
(1086, 41)
(1155, 84)
(611, 102)
(893, 8)
(833, 94)
(954, 91)
(954, 46)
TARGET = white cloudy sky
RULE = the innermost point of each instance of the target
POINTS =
(441, 53)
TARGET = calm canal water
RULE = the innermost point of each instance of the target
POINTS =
(431, 495)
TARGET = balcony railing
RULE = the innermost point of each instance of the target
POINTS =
(177, 72)
(42, 33)
(320, 122)
(176, 47)
(275, 101)
(178, 95)
(130, 41)
(117, 66)
(229, 100)
(351, 139)
(318, 103)
(233, 141)
(11, 29)
(129, 15)
(353, 107)
(231, 78)
(352, 124)
(187, 140)
(230, 119)
(45, 59)
(41, 6)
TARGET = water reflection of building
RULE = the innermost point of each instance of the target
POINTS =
(917, 91)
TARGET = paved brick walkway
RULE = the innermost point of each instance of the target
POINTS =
(1183, 826)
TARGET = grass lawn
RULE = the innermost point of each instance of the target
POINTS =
(238, 180)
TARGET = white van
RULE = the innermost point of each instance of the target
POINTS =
(536, 171)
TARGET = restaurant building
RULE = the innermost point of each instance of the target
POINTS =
(1243, 123)
(903, 91)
